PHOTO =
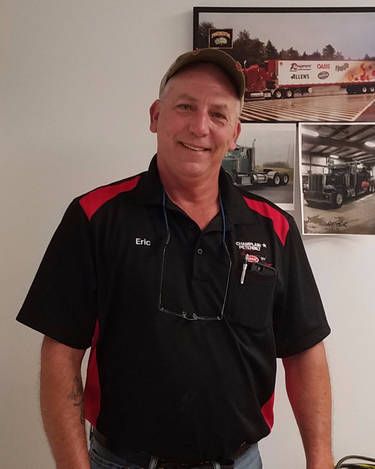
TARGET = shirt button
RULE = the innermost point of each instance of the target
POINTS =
(199, 251)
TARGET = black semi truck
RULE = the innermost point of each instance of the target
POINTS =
(339, 182)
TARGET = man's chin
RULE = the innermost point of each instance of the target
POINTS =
(190, 165)
(197, 169)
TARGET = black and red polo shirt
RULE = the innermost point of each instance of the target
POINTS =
(159, 382)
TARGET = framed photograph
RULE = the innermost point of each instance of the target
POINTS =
(265, 165)
(300, 64)
(337, 167)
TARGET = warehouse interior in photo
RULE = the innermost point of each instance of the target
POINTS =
(337, 178)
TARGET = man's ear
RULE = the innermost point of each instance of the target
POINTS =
(236, 134)
(154, 115)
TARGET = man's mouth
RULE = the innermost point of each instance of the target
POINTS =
(193, 147)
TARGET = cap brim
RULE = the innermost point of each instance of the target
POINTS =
(215, 56)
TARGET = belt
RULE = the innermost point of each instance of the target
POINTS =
(140, 458)
(201, 465)
(143, 459)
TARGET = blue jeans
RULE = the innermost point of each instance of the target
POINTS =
(102, 458)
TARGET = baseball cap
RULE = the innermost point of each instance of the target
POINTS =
(231, 67)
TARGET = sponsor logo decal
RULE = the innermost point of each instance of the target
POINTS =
(294, 67)
(300, 76)
(323, 75)
(221, 38)
(342, 68)
(324, 66)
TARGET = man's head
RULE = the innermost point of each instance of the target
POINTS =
(196, 117)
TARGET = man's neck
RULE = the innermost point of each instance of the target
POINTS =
(199, 200)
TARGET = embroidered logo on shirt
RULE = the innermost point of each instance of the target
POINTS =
(252, 258)
(250, 246)
(142, 242)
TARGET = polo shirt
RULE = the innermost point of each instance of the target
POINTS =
(129, 274)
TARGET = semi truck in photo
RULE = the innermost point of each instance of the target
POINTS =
(240, 164)
(278, 78)
(339, 182)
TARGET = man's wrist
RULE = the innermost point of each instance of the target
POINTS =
(323, 463)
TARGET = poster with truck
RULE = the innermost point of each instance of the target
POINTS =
(337, 167)
(265, 166)
(300, 64)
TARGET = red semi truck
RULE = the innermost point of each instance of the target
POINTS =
(283, 78)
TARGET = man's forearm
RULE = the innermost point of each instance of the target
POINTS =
(61, 399)
(309, 392)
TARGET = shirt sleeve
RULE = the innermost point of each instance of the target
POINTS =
(61, 302)
(299, 320)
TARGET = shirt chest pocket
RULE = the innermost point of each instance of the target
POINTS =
(251, 300)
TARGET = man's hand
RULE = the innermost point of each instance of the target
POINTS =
(61, 400)
(309, 392)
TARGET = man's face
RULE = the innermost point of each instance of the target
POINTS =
(196, 121)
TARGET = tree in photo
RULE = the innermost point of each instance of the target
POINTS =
(316, 55)
(248, 51)
(203, 34)
(328, 52)
(270, 51)
(289, 54)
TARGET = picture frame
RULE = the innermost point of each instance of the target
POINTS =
(337, 178)
(301, 64)
(265, 166)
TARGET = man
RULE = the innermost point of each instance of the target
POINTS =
(186, 289)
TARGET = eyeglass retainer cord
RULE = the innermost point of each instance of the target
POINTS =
(194, 316)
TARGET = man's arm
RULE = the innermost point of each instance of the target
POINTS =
(61, 400)
(309, 392)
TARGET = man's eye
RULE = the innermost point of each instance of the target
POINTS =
(184, 107)
(219, 116)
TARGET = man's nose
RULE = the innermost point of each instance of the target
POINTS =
(199, 123)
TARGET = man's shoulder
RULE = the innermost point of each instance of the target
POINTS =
(254, 200)
(94, 199)
(281, 220)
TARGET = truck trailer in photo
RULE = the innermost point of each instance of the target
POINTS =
(284, 78)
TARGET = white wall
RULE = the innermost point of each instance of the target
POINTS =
(76, 80)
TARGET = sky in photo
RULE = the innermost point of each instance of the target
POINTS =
(273, 142)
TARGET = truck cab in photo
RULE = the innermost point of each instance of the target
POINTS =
(338, 183)
(240, 165)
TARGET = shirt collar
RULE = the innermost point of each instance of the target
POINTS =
(236, 210)
(150, 191)
(150, 188)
